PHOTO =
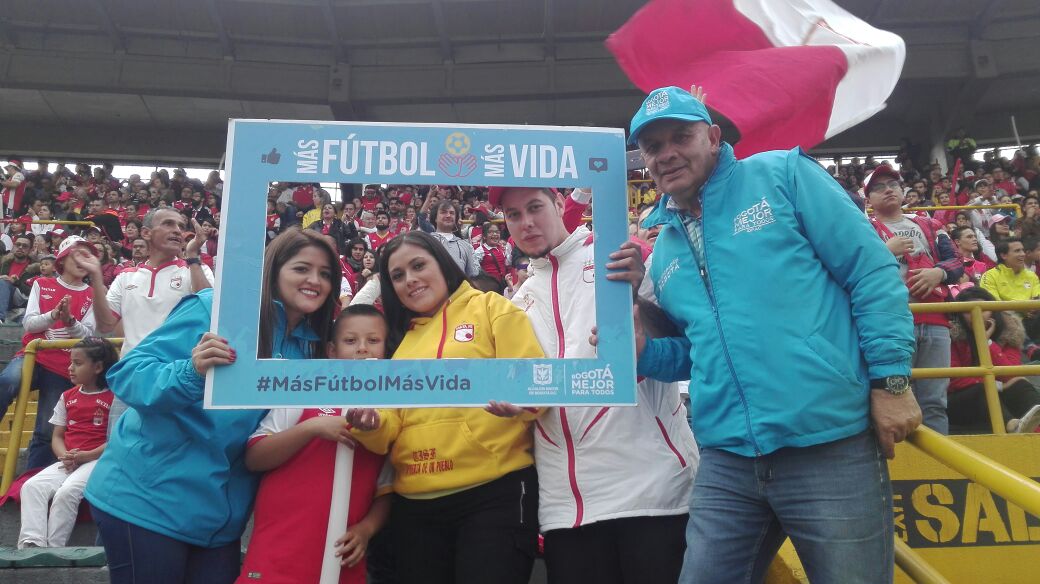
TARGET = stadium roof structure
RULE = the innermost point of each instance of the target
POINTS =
(129, 80)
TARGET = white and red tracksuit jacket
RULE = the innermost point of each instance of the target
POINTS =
(599, 463)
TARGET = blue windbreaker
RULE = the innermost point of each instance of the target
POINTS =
(171, 466)
(800, 305)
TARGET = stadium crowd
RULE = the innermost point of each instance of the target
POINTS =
(155, 241)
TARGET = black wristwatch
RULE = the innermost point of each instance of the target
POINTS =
(193, 261)
(893, 384)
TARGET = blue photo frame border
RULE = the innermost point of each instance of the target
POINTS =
(263, 151)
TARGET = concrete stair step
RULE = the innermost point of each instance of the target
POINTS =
(63, 557)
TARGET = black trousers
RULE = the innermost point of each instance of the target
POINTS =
(487, 534)
(969, 414)
(632, 550)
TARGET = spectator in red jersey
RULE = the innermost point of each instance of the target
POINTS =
(1019, 399)
(382, 233)
(1002, 183)
(303, 197)
(944, 216)
(212, 204)
(967, 247)
(131, 231)
(210, 229)
(986, 247)
(490, 253)
(109, 267)
(370, 198)
(186, 201)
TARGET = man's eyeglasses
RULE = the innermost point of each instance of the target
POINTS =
(22, 244)
(881, 187)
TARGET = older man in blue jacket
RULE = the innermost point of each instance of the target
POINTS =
(797, 343)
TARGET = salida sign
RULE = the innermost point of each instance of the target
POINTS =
(957, 513)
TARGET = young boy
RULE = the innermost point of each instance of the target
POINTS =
(297, 448)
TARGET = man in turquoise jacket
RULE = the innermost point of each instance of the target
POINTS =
(797, 340)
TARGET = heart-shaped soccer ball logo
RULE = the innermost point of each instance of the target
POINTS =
(457, 161)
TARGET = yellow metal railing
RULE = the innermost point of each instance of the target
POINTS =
(1012, 486)
(50, 222)
(1017, 208)
(21, 403)
(996, 477)
(915, 566)
(985, 369)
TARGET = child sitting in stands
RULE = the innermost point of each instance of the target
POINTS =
(80, 422)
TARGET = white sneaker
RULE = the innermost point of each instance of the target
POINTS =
(1028, 423)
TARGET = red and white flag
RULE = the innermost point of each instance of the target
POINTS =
(786, 72)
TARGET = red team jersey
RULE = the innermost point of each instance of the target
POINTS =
(86, 418)
(292, 507)
(52, 290)
(376, 241)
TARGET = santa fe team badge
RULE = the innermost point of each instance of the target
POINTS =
(464, 333)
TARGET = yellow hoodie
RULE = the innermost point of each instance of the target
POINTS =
(441, 450)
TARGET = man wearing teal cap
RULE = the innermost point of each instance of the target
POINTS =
(797, 343)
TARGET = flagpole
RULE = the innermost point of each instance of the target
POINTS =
(1014, 130)
(337, 525)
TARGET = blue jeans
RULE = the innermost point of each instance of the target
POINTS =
(137, 555)
(933, 350)
(833, 500)
(6, 293)
(51, 386)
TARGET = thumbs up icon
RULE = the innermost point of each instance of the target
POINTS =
(271, 157)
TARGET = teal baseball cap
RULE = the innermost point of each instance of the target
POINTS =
(667, 103)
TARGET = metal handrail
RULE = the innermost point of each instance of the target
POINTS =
(1015, 206)
(915, 566)
(21, 403)
(50, 222)
(1012, 486)
(986, 370)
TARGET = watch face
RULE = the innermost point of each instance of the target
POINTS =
(897, 384)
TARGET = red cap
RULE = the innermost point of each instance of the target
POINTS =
(495, 194)
(882, 172)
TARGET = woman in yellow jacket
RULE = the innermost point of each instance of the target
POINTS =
(466, 491)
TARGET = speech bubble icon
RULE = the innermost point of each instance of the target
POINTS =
(598, 164)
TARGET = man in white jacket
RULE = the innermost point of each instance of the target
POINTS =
(613, 481)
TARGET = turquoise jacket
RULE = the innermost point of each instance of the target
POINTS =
(799, 305)
(171, 466)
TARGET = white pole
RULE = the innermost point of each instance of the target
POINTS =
(337, 512)
(1014, 129)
